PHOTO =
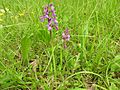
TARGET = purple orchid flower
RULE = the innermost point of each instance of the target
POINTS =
(52, 21)
(66, 37)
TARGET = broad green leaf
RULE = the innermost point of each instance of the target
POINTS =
(44, 36)
(115, 67)
(117, 57)
(2, 67)
(25, 48)
(113, 87)
(65, 19)
(115, 81)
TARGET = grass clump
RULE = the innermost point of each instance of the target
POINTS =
(31, 59)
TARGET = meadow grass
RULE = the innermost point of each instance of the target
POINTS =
(31, 60)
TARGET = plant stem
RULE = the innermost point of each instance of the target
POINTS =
(50, 34)
(65, 46)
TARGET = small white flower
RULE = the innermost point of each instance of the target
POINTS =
(1, 26)
(2, 10)
(7, 9)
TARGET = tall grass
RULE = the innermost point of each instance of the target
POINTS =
(29, 59)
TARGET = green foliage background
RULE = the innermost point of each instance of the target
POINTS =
(29, 59)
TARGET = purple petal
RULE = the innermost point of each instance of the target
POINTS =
(41, 18)
(49, 21)
(52, 7)
(55, 21)
(49, 27)
(46, 16)
(53, 14)
(46, 10)
(66, 35)
(56, 27)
